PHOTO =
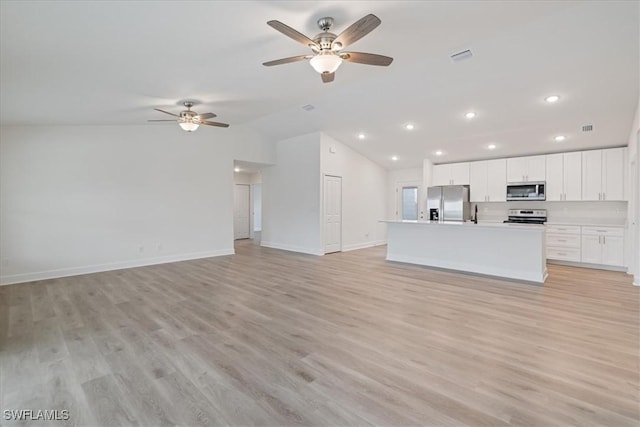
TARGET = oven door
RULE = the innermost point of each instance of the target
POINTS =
(526, 191)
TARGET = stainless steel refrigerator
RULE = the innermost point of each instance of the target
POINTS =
(448, 203)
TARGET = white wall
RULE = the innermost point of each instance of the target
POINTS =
(396, 177)
(633, 236)
(77, 199)
(364, 199)
(291, 197)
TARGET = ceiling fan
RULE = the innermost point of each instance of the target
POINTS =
(327, 47)
(190, 120)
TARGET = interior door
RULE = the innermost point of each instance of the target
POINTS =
(241, 206)
(332, 190)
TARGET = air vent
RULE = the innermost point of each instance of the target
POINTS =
(308, 107)
(587, 128)
(461, 56)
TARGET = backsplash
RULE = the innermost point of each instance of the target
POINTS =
(605, 213)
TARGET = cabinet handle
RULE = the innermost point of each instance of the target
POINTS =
(561, 240)
(604, 196)
(604, 240)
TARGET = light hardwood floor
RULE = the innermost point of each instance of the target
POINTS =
(267, 337)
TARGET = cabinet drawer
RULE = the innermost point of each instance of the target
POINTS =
(603, 231)
(563, 240)
(564, 229)
(571, 254)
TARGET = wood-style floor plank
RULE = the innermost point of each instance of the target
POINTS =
(267, 337)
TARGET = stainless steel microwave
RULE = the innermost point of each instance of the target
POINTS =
(526, 191)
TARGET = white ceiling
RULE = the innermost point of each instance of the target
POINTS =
(84, 62)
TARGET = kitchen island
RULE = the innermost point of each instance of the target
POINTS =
(512, 251)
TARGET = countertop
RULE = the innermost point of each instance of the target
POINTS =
(480, 224)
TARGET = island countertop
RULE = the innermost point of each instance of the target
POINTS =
(514, 251)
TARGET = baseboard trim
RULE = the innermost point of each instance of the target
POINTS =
(291, 248)
(97, 268)
(586, 265)
(364, 245)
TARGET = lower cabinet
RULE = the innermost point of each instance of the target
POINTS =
(586, 244)
(603, 245)
(563, 242)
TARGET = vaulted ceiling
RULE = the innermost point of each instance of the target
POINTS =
(90, 63)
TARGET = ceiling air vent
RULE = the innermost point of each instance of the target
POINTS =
(587, 128)
(461, 56)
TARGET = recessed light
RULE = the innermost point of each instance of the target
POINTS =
(491, 146)
(409, 126)
(438, 153)
(470, 115)
(560, 138)
(394, 158)
(361, 136)
(552, 98)
(236, 169)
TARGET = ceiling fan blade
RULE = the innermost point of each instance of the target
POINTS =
(163, 120)
(287, 60)
(166, 112)
(290, 32)
(222, 125)
(328, 77)
(366, 58)
(206, 116)
(358, 30)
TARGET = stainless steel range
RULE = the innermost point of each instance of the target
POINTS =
(527, 216)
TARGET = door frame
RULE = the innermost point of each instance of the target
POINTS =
(324, 213)
(249, 214)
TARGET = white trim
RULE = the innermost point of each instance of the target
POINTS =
(97, 268)
(292, 248)
(588, 265)
(364, 245)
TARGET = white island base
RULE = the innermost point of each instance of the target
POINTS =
(503, 250)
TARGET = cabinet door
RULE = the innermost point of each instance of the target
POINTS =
(441, 175)
(591, 249)
(613, 174)
(613, 251)
(478, 181)
(592, 175)
(572, 176)
(536, 168)
(555, 177)
(460, 173)
(516, 169)
(497, 180)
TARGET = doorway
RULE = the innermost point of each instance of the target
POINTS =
(241, 211)
(332, 190)
(408, 201)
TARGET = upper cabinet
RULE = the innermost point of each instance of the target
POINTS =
(488, 180)
(564, 179)
(526, 169)
(603, 174)
(451, 174)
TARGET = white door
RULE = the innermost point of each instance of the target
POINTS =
(332, 190)
(613, 174)
(497, 180)
(536, 168)
(592, 175)
(555, 177)
(478, 181)
(408, 201)
(241, 211)
(572, 176)
(591, 248)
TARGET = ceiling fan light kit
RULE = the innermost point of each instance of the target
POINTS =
(327, 47)
(189, 120)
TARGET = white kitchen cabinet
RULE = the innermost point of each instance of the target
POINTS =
(451, 174)
(603, 245)
(603, 174)
(526, 169)
(563, 243)
(564, 176)
(488, 180)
